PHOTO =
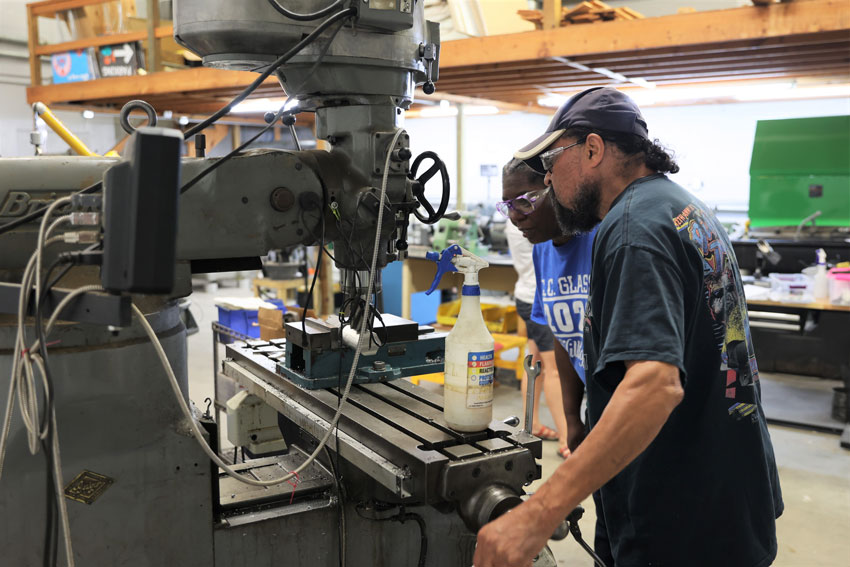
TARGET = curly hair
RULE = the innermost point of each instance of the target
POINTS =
(655, 156)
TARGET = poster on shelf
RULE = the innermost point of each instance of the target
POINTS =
(73, 66)
(120, 60)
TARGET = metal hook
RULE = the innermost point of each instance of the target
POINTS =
(124, 115)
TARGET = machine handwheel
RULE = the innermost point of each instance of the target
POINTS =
(419, 187)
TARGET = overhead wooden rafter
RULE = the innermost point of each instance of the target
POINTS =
(808, 39)
(789, 40)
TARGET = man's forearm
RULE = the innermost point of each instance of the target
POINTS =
(635, 414)
(572, 388)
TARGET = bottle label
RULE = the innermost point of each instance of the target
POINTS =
(479, 379)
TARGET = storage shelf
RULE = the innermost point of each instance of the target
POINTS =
(806, 40)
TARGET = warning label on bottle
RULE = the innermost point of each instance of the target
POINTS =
(479, 373)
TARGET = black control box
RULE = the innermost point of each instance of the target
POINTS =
(140, 199)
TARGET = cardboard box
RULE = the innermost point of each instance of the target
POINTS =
(271, 323)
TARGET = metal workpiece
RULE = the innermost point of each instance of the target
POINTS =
(395, 434)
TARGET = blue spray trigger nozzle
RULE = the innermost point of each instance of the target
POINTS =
(444, 264)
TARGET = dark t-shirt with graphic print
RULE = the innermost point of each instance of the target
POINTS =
(665, 286)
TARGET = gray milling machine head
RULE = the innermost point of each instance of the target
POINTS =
(358, 78)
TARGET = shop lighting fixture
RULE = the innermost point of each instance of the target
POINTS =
(260, 105)
(783, 90)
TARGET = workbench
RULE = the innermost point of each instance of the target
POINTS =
(418, 273)
(809, 339)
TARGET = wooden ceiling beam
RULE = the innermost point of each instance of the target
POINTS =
(183, 81)
(682, 67)
(825, 76)
(749, 22)
(635, 65)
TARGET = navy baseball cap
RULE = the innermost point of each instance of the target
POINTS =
(603, 108)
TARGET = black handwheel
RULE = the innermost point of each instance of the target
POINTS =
(419, 187)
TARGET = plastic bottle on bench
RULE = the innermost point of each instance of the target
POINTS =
(470, 363)
(821, 291)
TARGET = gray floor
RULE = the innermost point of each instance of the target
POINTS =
(814, 470)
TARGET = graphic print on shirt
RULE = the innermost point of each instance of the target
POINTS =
(563, 301)
(727, 305)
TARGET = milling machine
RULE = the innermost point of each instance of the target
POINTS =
(391, 483)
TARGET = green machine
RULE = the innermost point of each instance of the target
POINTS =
(801, 167)
(463, 231)
(799, 202)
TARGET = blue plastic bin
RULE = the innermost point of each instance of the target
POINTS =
(240, 320)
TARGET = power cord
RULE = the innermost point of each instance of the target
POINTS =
(357, 351)
(342, 14)
(402, 516)
(38, 213)
(572, 524)
(305, 17)
(272, 120)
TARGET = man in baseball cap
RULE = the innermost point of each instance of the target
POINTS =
(678, 447)
(599, 107)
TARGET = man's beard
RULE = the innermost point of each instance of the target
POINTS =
(584, 212)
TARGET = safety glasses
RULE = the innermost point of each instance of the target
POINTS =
(547, 159)
(524, 204)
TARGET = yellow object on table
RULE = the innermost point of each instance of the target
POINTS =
(499, 318)
(504, 343)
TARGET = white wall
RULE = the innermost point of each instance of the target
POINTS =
(712, 143)
(487, 140)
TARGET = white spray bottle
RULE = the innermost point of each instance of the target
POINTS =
(821, 291)
(470, 362)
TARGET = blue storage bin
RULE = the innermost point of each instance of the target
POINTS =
(240, 320)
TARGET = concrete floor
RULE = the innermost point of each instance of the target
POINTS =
(814, 470)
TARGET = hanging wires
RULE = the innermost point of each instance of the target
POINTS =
(305, 17)
(361, 343)
(342, 14)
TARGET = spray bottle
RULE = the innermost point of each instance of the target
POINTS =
(821, 281)
(468, 385)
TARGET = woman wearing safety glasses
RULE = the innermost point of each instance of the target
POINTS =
(554, 303)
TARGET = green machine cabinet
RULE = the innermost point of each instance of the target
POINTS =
(800, 166)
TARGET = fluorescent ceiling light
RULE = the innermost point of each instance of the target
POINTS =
(819, 91)
(260, 105)
(444, 110)
(480, 110)
(88, 114)
(697, 94)
(552, 100)
(438, 111)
